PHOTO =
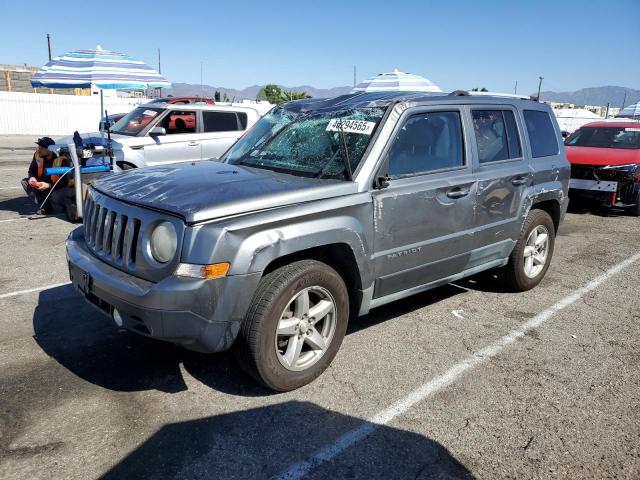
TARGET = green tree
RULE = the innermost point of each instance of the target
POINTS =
(274, 94)
(271, 93)
(289, 95)
(483, 89)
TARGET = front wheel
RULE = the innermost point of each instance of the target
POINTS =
(635, 210)
(295, 325)
(530, 259)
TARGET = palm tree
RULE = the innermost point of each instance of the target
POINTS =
(290, 95)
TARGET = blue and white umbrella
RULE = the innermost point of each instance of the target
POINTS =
(632, 111)
(102, 68)
(397, 81)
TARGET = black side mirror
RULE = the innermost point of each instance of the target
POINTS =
(382, 182)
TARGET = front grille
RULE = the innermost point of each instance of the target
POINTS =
(111, 234)
(583, 172)
(118, 234)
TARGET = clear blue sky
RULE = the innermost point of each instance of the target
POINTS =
(457, 44)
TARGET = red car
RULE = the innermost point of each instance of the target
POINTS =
(605, 164)
(185, 100)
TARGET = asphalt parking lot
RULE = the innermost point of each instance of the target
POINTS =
(465, 381)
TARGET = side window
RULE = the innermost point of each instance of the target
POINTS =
(513, 137)
(224, 121)
(496, 135)
(542, 135)
(179, 122)
(427, 141)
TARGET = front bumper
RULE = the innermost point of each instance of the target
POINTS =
(611, 186)
(202, 315)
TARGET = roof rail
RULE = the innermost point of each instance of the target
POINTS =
(498, 94)
(465, 93)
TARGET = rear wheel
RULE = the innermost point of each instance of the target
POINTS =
(296, 323)
(530, 259)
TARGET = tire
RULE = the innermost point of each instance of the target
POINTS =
(635, 210)
(517, 274)
(279, 304)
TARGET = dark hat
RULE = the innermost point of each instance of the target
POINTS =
(45, 142)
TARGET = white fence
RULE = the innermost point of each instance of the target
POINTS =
(37, 114)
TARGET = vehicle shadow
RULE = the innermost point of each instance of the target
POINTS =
(88, 344)
(581, 206)
(264, 442)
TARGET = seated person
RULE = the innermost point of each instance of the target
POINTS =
(52, 193)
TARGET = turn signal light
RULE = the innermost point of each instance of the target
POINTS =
(215, 270)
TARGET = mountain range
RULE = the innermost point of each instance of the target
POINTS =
(585, 96)
(595, 96)
(190, 90)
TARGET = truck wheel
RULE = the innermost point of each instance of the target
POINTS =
(295, 325)
(532, 254)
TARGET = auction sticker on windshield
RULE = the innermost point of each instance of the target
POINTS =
(350, 126)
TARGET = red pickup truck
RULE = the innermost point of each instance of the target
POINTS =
(605, 164)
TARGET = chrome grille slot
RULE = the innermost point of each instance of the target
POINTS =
(94, 224)
(108, 231)
(130, 241)
(100, 228)
(118, 237)
(88, 211)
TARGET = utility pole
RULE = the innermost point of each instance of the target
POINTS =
(515, 90)
(624, 100)
(201, 87)
(159, 71)
(539, 87)
(354, 76)
(49, 45)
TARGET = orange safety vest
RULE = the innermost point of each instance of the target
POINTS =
(57, 162)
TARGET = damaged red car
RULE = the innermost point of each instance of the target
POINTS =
(605, 164)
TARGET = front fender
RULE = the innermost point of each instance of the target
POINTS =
(252, 242)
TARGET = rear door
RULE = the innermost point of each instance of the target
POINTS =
(424, 218)
(181, 142)
(220, 130)
(503, 177)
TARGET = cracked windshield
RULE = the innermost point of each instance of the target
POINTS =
(319, 145)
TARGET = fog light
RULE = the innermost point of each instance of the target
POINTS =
(117, 317)
(215, 270)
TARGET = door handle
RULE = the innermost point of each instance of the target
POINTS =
(519, 181)
(458, 192)
(193, 144)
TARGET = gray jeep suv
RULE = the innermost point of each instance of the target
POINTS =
(324, 210)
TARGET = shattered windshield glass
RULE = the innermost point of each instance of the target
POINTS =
(316, 144)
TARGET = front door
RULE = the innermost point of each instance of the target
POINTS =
(182, 142)
(424, 218)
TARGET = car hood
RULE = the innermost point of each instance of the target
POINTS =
(602, 156)
(207, 190)
(93, 137)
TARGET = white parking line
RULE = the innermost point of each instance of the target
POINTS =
(330, 451)
(32, 290)
(13, 219)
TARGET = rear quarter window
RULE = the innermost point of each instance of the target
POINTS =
(542, 135)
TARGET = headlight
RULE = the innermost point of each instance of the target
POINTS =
(163, 242)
